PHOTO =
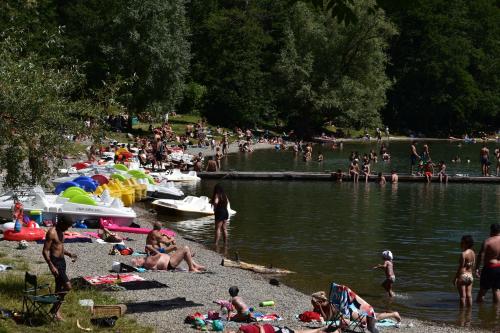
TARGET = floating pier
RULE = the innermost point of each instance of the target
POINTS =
(328, 176)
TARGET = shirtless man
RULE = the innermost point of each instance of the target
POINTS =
(163, 261)
(53, 253)
(156, 239)
(489, 256)
(211, 165)
(394, 177)
(484, 156)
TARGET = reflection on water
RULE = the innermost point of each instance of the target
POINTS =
(329, 231)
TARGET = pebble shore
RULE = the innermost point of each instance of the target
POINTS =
(164, 309)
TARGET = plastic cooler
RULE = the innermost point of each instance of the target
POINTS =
(37, 216)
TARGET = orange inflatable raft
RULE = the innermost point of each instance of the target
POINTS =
(27, 234)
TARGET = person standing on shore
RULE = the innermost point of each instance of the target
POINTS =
(53, 253)
(489, 256)
(464, 279)
(220, 203)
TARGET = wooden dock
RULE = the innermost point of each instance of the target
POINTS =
(326, 176)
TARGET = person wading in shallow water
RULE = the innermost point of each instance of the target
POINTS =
(53, 253)
(220, 202)
(489, 256)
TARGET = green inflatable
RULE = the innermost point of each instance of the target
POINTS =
(118, 177)
(121, 167)
(83, 200)
(72, 191)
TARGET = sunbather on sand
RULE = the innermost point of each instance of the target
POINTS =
(267, 328)
(109, 237)
(162, 261)
(156, 242)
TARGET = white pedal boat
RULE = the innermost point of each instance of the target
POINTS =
(190, 205)
(53, 205)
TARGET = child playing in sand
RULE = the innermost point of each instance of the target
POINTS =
(464, 278)
(242, 311)
(388, 267)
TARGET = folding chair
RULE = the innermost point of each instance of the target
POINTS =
(352, 313)
(35, 305)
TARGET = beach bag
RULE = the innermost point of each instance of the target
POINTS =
(308, 316)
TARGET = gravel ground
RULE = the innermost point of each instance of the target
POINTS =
(187, 293)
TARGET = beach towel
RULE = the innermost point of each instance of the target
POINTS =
(266, 317)
(72, 237)
(112, 279)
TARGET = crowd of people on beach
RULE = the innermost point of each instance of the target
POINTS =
(164, 253)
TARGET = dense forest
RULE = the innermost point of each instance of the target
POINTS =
(429, 66)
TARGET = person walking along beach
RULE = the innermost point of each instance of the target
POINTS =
(53, 253)
(220, 202)
(489, 256)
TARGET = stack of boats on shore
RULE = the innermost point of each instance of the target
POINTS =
(95, 192)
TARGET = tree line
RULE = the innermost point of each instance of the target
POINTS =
(430, 66)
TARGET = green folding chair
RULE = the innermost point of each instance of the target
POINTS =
(36, 304)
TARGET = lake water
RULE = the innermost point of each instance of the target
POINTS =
(329, 231)
(271, 160)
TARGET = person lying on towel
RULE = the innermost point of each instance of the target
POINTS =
(163, 261)
(156, 242)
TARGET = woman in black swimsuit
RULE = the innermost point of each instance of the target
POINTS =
(220, 202)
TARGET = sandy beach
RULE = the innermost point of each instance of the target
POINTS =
(187, 293)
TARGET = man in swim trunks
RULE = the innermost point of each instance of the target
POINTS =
(489, 256)
(163, 261)
(484, 157)
(53, 253)
(156, 239)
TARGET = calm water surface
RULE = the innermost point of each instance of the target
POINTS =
(271, 160)
(335, 232)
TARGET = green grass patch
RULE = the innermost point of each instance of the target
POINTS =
(12, 286)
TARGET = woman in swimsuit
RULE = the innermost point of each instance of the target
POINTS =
(220, 202)
(464, 278)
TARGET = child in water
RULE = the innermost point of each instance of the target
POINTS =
(388, 267)
(464, 278)
(243, 313)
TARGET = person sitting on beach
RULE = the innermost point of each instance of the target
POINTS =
(442, 172)
(157, 242)
(464, 279)
(163, 261)
(394, 177)
(322, 306)
(388, 267)
(381, 179)
(268, 328)
(242, 311)
(328, 312)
